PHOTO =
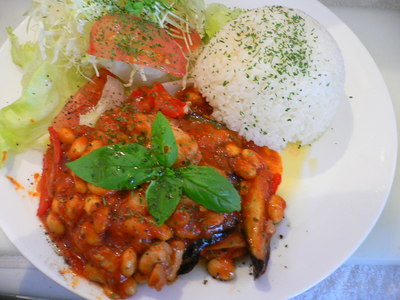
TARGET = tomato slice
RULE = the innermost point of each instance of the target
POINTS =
(130, 39)
(83, 101)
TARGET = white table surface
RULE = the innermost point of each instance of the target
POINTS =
(379, 30)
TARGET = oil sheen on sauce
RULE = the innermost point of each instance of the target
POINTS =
(295, 158)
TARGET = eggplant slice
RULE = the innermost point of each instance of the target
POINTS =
(192, 254)
(254, 217)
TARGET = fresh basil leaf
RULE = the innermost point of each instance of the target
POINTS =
(164, 143)
(117, 166)
(163, 195)
(209, 188)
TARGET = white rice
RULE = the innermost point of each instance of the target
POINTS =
(274, 75)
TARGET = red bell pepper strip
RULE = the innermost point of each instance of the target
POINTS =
(169, 105)
(140, 98)
(274, 183)
(51, 164)
(56, 144)
(157, 98)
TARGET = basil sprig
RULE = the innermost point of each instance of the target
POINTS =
(124, 167)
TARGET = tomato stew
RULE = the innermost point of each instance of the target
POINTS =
(109, 237)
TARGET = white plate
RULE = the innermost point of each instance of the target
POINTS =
(335, 194)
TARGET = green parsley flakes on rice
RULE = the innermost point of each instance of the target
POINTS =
(274, 75)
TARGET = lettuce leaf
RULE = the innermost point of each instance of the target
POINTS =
(21, 54)
(45, 88)
(216, 16)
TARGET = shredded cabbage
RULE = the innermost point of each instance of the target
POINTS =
(179, 13)
(64, 30)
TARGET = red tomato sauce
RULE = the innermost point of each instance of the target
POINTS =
(17, 185)
(98, 231)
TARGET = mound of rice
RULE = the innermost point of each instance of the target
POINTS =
(274, 75)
